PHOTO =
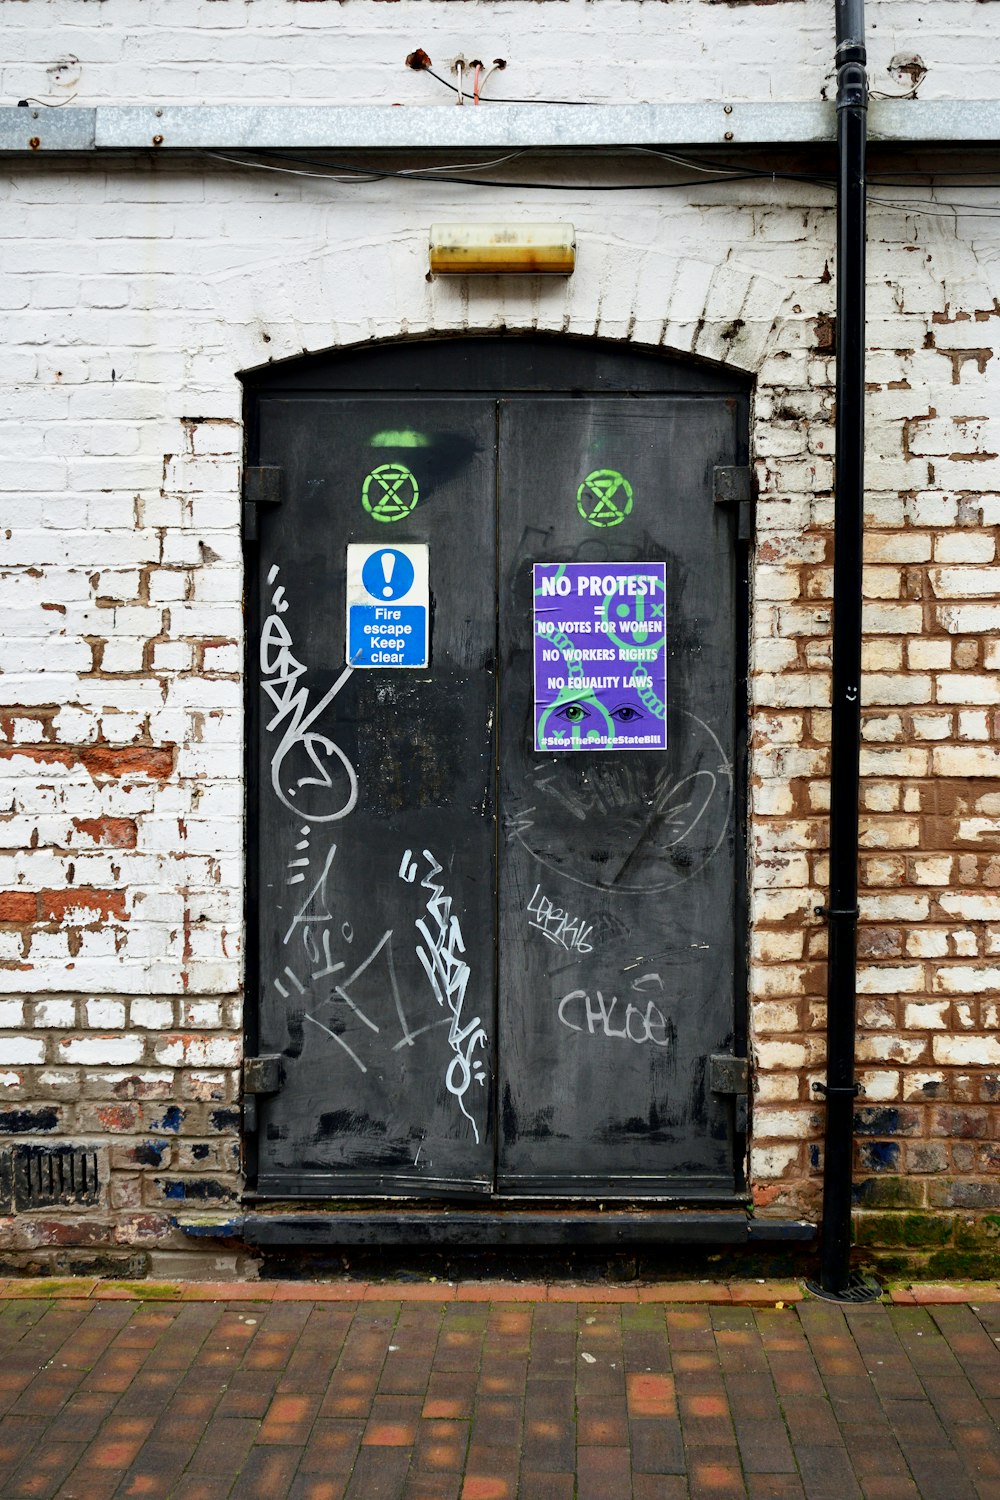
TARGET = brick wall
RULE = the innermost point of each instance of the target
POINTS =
(353, 51)
(928, 1046)
(133, 293)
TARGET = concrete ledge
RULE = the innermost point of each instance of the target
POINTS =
(431, 1229)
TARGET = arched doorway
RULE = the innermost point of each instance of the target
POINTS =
(495, 922)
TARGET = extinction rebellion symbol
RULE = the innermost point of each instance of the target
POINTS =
(389, 492)
(604, 498)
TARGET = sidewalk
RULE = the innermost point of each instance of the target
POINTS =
(424, 1391)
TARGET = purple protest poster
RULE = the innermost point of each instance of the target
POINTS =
(600, 656)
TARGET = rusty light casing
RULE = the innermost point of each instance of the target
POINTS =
(502, 249)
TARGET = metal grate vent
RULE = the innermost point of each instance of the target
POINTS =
(45, 1176)
(859, 1289)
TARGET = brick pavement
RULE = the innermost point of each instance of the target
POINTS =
(424, 1391)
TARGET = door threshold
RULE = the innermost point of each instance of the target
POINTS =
(435, 1229)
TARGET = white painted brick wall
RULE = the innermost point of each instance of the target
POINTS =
(353, 51)
(136, 292)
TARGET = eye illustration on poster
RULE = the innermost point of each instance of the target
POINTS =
(599, 656)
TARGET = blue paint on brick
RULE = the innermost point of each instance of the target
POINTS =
(150, 1153)
(880, 1156)
(876, 1121)
(190, 1188)
(172, 1118)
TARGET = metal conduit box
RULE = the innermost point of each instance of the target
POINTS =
(502, 249)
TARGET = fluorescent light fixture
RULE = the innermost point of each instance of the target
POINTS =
(503, 249)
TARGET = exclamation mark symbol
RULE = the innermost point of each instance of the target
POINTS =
(388, 563)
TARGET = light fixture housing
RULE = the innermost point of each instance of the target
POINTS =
(502, 249)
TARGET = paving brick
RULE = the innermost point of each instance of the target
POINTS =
(548, 1444)
(349, 1394)
(267, 1474)
(535, 1485)
(195, 1487)
(651, 1394)
(163, 1464)
(597, 1296)
(766, 1293)
(656, 1445)
(714, 1421)
(826, 1472)
(774, 1487)
(428, 1486)
(441, 1447)
(315, 1487)
(230, 1291)
(603, 1474)
(480, 1485)
(929, 1294)
(764, 1447)
(289, 1419)
(717, 1475)
(448, 1395)
(810, 1422)
(940, 1475)
(379, 1471)
(225, 1445)
(659, 1487)
(685, 1291)
(601, 1423)
(706, 1419)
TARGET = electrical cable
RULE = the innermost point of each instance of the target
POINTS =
(494, 100)
(50, 103)
(346, 173)
(417, 174)
(263, 166)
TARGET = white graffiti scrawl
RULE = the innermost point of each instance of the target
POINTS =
(312, 753)
(440, 953)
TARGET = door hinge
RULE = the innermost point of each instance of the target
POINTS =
(261, 486)
(733, 485)
(261, 1075)
(731, 1075)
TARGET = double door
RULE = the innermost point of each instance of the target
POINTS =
(495, 924)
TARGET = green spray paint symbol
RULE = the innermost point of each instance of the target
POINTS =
(389, 492)
(604, 498)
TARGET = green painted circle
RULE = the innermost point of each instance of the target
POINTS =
(390, 492)
(604, 498)
(654, 603)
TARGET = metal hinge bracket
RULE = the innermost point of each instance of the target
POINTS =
(731, 1075)
(733, 485)
(261, 486)
(261, 1075)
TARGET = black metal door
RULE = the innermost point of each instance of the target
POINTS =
(481, 967)
(373, 811)
(618, 882)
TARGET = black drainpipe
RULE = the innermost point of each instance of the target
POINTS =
(842, 912)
